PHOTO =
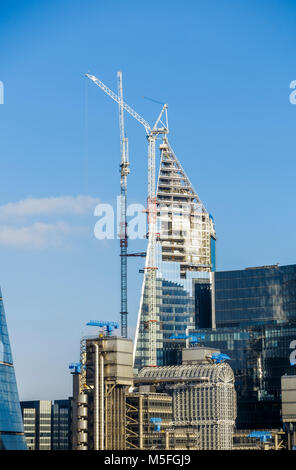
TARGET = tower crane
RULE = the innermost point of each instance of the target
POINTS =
(152, 133)
(124, 171)
(108, 325)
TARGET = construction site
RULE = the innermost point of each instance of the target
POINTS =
(166, 389)
(129, 395)
(180, 242)
(192, 406)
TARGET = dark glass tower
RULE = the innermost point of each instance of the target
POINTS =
(256, 296)
(260, 356)
(256, 327)
(11, 424)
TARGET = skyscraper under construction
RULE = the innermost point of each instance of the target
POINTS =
(185, 260)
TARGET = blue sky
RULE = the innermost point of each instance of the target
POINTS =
(224, 67)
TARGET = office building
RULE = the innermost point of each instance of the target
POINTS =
(11, 424)
(37, 424)
(143, 408)
(185, 260)
(203, 395)
(100, 384)
(47, 424)
(254, 296)
(109, 413)
(61, 412)
(255, 318)
(260, 355)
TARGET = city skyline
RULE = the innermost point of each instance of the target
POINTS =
(231, 124)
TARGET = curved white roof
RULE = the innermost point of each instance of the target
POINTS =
(214, 373)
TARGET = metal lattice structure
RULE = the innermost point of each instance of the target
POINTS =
(145, 411)
(203, 397)
(124, 171)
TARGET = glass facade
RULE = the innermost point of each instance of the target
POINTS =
(203, 304)
(11, 424)
(185, 251)
(61, 425)
(255, 315)
(260, 355)
(255, 295)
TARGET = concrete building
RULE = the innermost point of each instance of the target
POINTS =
(37, 424)
(203, 395)
(100, 385)
(47, 424)
(192, 406)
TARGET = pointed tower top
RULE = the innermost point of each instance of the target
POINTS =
(173, 181)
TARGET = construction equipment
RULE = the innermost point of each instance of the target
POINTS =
(264, 437)
(218, 358)
(123, 237)
(194, 338)
(157, 423)
(109, 325)
(197, 338)
(76, 367)
(150, 269)
(191, 340)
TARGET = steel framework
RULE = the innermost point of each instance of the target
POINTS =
(203, 397)
(124, 171)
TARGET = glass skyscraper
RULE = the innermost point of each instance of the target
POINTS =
(256, 326)
(258, 295)
(11, 424)
(185, 259)
(260, 356)
(61, 425)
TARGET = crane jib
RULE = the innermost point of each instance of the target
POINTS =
(116, 98)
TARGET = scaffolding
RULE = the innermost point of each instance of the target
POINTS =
(142, 409)
(185, 227)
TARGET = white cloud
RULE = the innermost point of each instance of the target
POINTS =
(39, 235)
(77, 205)
(36, 236)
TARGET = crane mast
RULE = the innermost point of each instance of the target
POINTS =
(150, 269)
(124, 171)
